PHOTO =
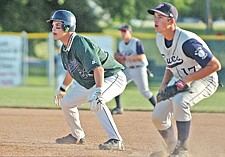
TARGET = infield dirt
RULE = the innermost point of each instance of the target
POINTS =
(32, 132)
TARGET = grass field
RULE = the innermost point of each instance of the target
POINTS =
(42, 97)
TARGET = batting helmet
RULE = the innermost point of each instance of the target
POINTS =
(67, 18)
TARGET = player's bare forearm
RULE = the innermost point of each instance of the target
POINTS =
(99, 76)
(213, 66)
(136, 58)
(166, 78)
(68, 79)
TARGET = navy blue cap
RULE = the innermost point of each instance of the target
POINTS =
(165, 9)
(125, 27)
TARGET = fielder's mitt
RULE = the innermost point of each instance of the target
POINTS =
(120, 58)
(170, 91)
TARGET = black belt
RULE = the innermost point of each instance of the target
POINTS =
(137, 66)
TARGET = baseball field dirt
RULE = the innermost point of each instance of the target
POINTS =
(32, 132)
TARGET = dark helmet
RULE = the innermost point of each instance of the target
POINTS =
(67, 18)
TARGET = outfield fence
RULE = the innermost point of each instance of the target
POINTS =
(39, 50)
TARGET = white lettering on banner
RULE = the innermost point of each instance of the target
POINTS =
(10, 60)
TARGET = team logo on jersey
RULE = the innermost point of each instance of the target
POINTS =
(83, 73)
(72, 66)
(93, 62)
(174, 61)
(199, 52)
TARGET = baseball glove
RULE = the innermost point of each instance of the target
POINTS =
(170, 91)
(120, 58)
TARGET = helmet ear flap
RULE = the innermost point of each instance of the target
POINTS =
(67, 29)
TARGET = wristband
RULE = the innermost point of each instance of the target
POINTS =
(64, 88)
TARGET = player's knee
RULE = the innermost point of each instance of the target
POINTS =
(158, 121)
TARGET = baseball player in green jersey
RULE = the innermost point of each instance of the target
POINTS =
(98, 76)
(190, 76)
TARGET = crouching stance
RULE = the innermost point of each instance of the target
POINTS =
(98, 76)
(193, 68)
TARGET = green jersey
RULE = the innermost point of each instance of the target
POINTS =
(82, 56)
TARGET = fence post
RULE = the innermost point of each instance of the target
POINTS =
(25, 57)
(51, 65)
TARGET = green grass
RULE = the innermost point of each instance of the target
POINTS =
(42, 97)
(27, 97)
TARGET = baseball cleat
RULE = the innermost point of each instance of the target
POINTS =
(117, 111)
(112, 144)
(69, 139)
(180, 150)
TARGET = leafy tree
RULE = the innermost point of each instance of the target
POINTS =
(31, 15)
(125, 10)
(217, 7)
(118, 10)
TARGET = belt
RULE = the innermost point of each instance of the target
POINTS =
(137, 66)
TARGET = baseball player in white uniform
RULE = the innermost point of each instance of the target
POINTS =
(98, 75)
(131, 54)
(193, 67)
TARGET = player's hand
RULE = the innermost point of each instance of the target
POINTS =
(59, 95)
(96, 100)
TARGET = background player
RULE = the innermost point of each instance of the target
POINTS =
(130, 53)
(190, 61)
(98, 76)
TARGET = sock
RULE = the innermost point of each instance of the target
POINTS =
(117, 98)
(169, 137)
(152, 100)
(183, 129)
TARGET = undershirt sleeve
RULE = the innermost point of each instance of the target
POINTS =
(139, 47)
(195, 50)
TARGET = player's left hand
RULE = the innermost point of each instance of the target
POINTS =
(170, 91)
(60, 94)
(96, 100)
(58, 97)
